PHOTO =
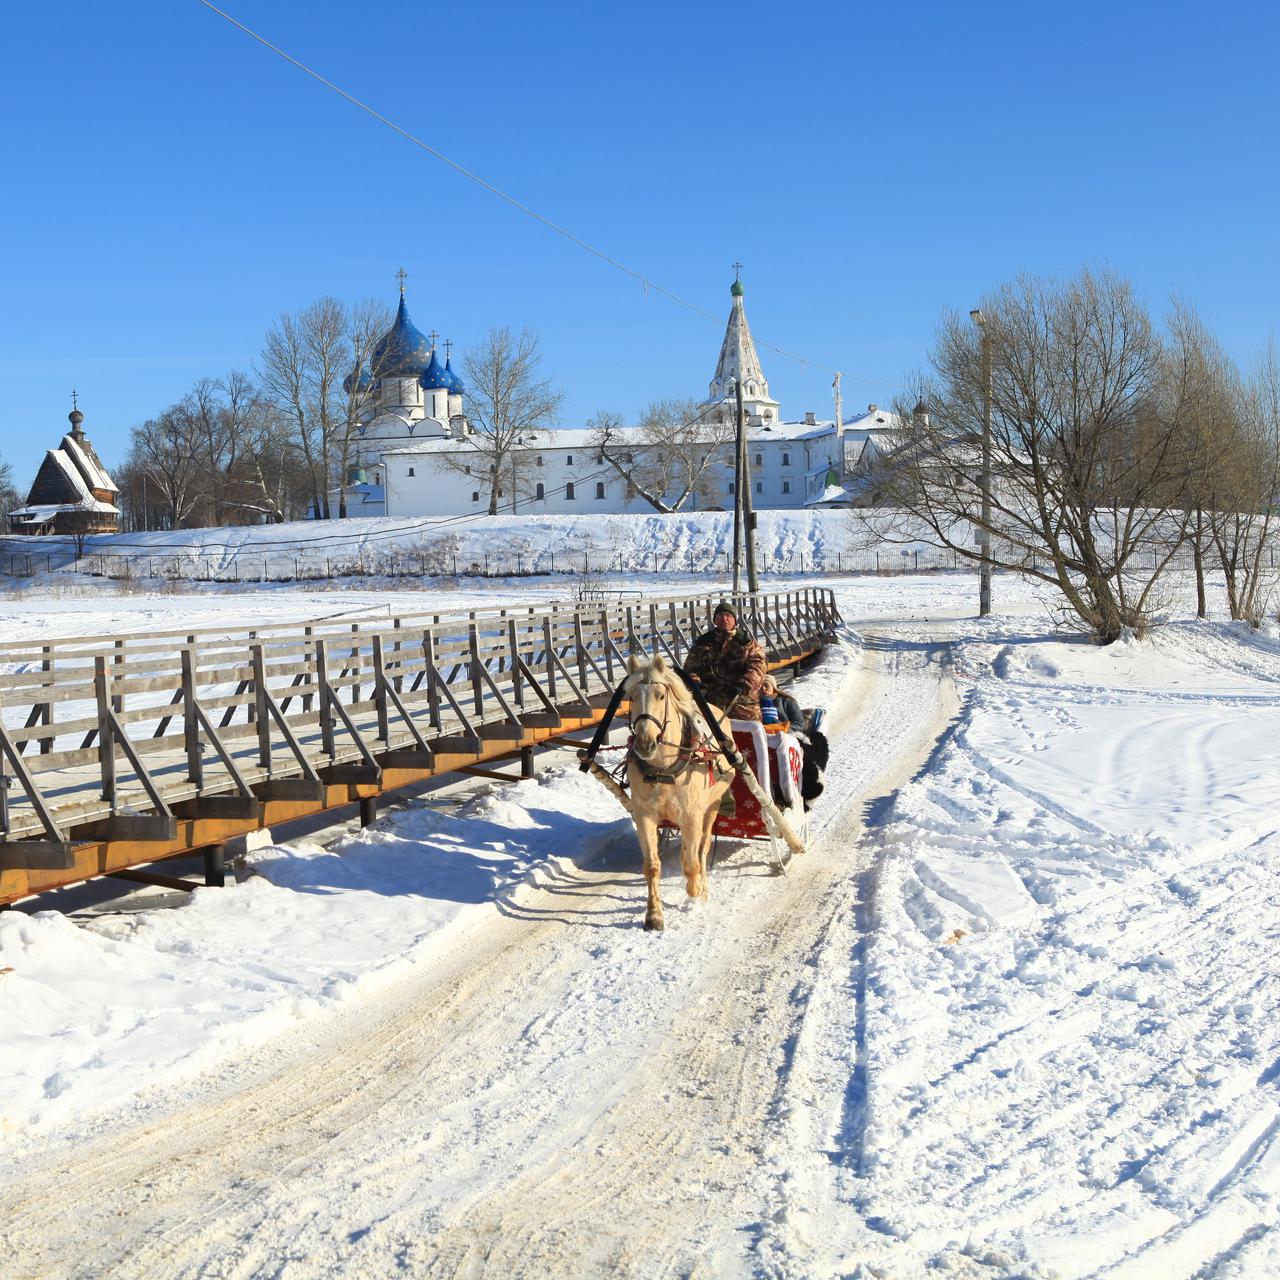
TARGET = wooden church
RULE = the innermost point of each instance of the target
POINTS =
(72, 492)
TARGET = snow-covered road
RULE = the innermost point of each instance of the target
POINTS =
(1012, 1015)
(559, 1094)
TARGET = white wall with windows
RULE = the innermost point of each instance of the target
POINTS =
(791, 465)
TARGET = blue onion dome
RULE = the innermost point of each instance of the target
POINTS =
(402, 351)
(360, 379)
(434, 377)
(456, 385)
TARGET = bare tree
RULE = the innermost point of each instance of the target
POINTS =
(166, 449)
(365, 324)
(1084, 468)
(1244, 522)
(305, 359)
(10, 499)
(1201, 398)
(507, 401)
(671, 458)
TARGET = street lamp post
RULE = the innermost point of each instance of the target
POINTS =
(984, 533)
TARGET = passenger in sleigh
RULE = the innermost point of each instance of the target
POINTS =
(777, 707)
(729, 664)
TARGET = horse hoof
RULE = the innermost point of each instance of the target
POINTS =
(653, 925)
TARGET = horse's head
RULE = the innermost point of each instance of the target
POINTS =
(653, 700)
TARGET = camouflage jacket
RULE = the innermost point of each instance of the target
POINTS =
(731, 667)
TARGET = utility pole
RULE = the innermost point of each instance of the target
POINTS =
(737, 488)
(839, 415)
(984, 533)
(748, 514)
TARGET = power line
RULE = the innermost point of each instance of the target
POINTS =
(511, 200)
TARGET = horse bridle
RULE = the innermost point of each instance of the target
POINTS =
(685, 746)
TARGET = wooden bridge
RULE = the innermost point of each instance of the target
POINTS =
(118, 751)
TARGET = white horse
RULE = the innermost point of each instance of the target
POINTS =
(676, 772)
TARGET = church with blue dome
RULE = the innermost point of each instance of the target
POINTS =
(408, 394)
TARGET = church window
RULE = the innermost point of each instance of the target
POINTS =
(786, 459)
(468, 470)
(731, 488)
(411, 471)
(475, 495)
(599, 489)
(568, 490)
(759, 459)
(786, 486)
(538, 460)
(759, 486)
(568, 462)
(541, 492)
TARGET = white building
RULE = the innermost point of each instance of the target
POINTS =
(409, 396)
(420, 458)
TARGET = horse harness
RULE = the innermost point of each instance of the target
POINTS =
(701, 750)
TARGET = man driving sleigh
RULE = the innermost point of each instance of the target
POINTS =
(729, 664)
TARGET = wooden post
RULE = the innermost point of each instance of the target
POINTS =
(117, 700)
(477, 688)
(190, 724)
(106, 735)
(326, 696)
(517, 683)
(260, 705)
(433, 690)
(548, 640)
(380, 692)
(46, 715)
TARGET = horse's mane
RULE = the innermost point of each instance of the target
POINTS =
(656, 671)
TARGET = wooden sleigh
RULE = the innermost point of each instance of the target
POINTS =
(776, 761)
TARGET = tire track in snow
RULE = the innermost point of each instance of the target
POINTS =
(481, 1117)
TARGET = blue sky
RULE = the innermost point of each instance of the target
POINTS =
(172, 186)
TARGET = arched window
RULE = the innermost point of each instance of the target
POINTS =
(786, 459)
(759, 459)
(411, 471)
(568, 462)
(568, 491)
(786, 486)
(475, 495)
(759, 486)
(599, 489)
(538, 460)
(541, 492)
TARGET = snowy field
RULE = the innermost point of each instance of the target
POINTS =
(1012, 1015)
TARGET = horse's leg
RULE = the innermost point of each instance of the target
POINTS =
(647, 831)
(708, 834)
(693, 831)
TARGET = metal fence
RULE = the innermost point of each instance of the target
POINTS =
(247, 567)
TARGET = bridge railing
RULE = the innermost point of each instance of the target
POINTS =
(121, 738)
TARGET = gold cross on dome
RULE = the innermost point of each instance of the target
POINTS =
(402, 275)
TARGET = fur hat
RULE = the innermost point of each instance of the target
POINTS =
(726, 606)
